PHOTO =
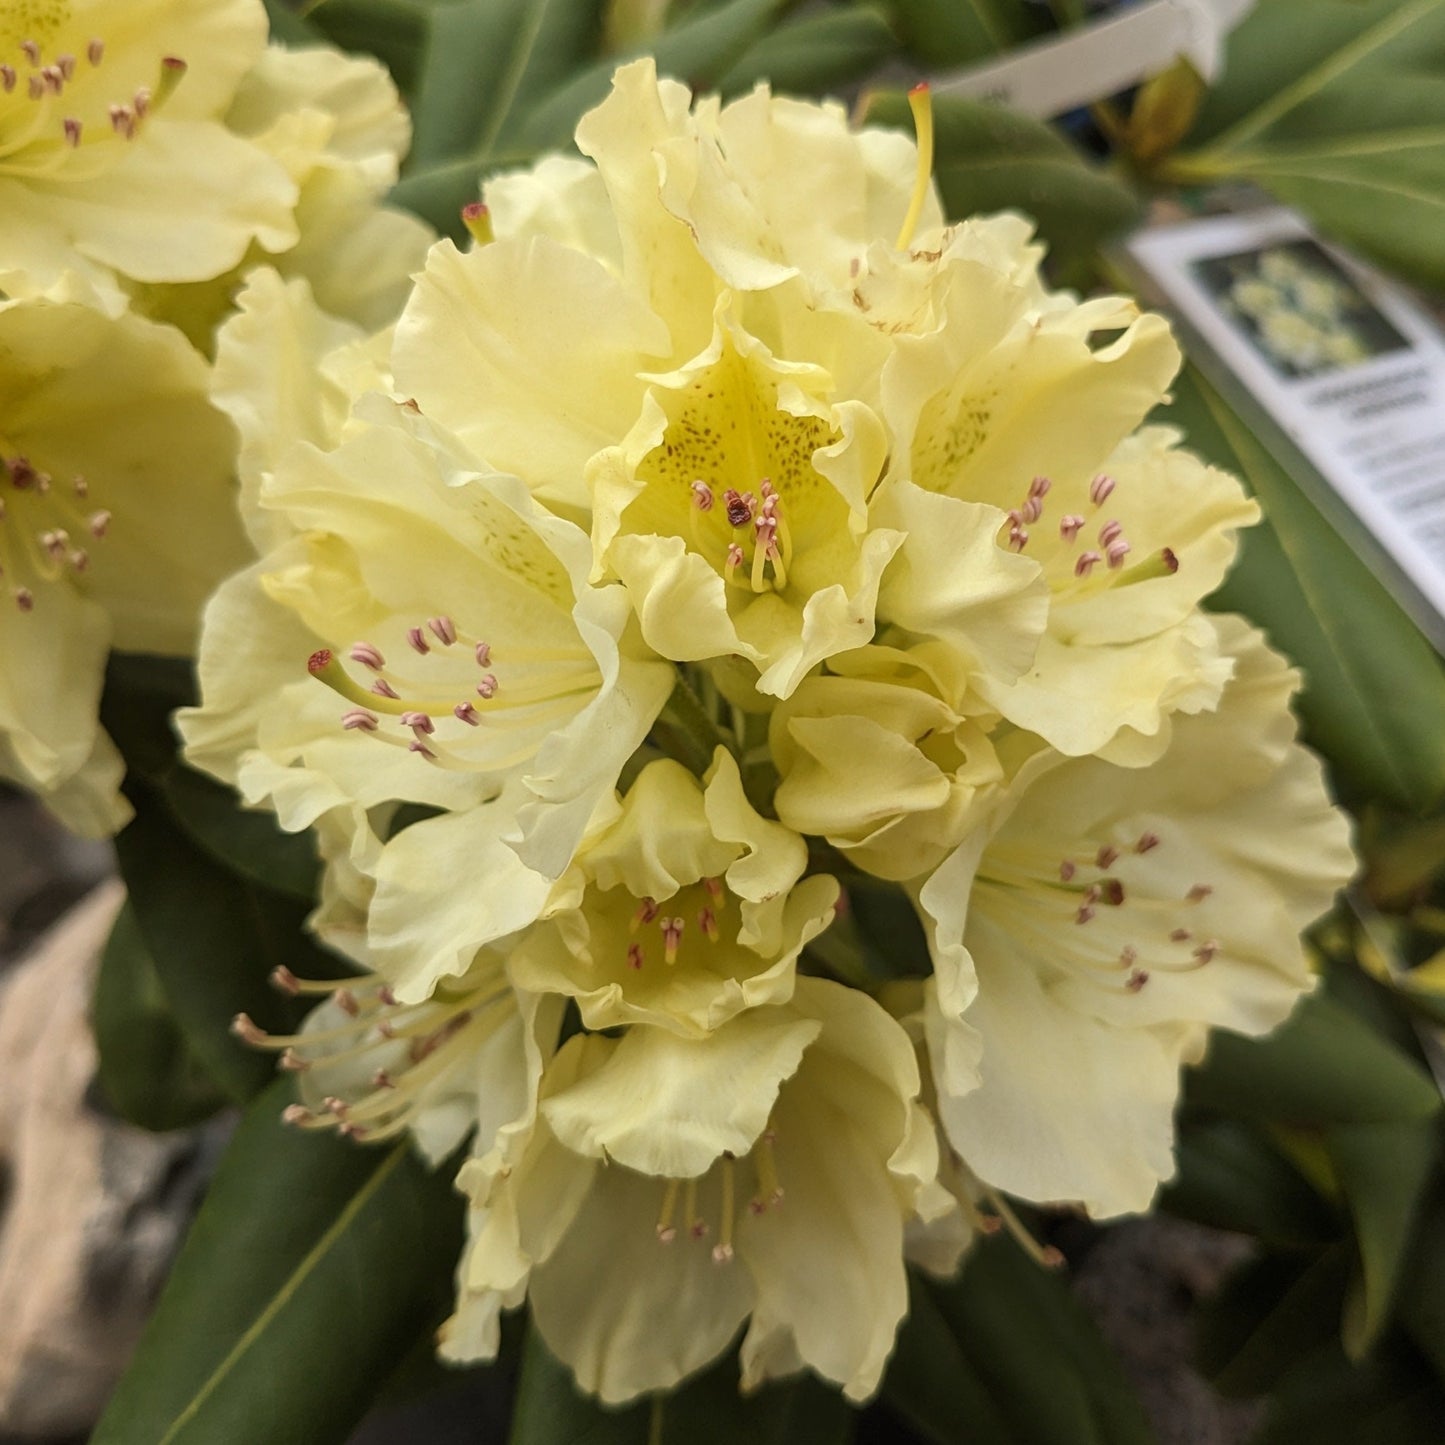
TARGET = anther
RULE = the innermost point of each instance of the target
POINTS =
(284, 981)
(1128, 956)
(1206, 951)
(484, 654)
(468, 714)
(1136, 980)
(418, 722)
(95, 51)
(66, 64)
(635, 957)
(1085, 913)
(1018, 538)
(443, 629)
(292, 1062)
(714, 889)
(7, 78)
(1032, 509)
(245, 1029)
(707, 921)
(71, 126)
(722, 1251)
(296, 1115)
(487, 687)
(36, 86)
(646, 912)
(702, 497)
(360, 717)
(417, 746)
(735, 559)
(382, 688)
(1147, 843)
(1039, 488)
(32, 51)
(1108, 532)
(1086, 563)
(1199, 892)
(367, 655)
(1100, 489)
(345, 1000)
(1117, 552)
(1181, 935)
(25, 599)
(417, 639)
(1067, 871)
(1107, 856)
(671, 938)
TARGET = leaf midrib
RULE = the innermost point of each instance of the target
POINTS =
(283, 1296)
(1334, 66)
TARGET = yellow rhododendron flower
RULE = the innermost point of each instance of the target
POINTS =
(671, 1189)
(686, 907)
(115, 159)
(459, 659)
(337, 125)
(117, 518)
(1105, 919)
(725, 441)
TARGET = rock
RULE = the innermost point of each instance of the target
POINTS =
(92, 1209)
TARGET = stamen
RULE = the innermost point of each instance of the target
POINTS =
(443, 629)
(635, 957)
(1100, 489)
(1199, 892)
(1067, 871)
(715, 890)
(920, 102)
(1147, 843)
(1181, 935)
(478, 221)
(1108, 532)
(770, 1192)
(722, 1251)
(702, 496)
(646, 912)
(1086, 563)
(484, 654)
(707, 921)
(1107, 856)
(666, 1230)
(1117, 552)
(360, 717)
(95, 51)
(696, 1225)
(417, 639)
(71, 126)
(487, 687)
(1041, 1254)
(382, 688)
(367, 655)
(468, 714)
(1136, 980)
(672, 938)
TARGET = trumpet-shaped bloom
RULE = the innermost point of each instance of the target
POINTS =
(672, 1188)
(1086, 940)
(339, 129)
(685, 908)
(721, 417)
(459, 659)
(117, 517)
(115, 161)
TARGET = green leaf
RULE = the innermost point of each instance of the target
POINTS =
(1231, 1177)
(287, 26)
(1338, 107)
(987, 158)
(1382, 1171)
(815, 53)
(707, 1410)
(1005, 1355)
(147, 1071)
(214, 938)
(394, 31)
(484, 61)
(1374, 688)
(248, 841)
(1271, 1314)
(1322, 1067)
(953, 32)
(309, 1271)
(1422, 1288)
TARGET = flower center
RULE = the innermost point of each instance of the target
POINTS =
(53, 104)
(759, 1166)
(469, 687)
(1077, 909)
(683, 931)
(1092, 553)
(45, 527)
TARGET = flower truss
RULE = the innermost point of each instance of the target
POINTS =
(723, 533)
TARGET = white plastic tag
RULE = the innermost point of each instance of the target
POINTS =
(1063, 72)
(1347, 371)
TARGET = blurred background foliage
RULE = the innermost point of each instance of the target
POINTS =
(1322, 1144)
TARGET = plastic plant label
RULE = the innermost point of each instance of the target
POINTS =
(1337, 363)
